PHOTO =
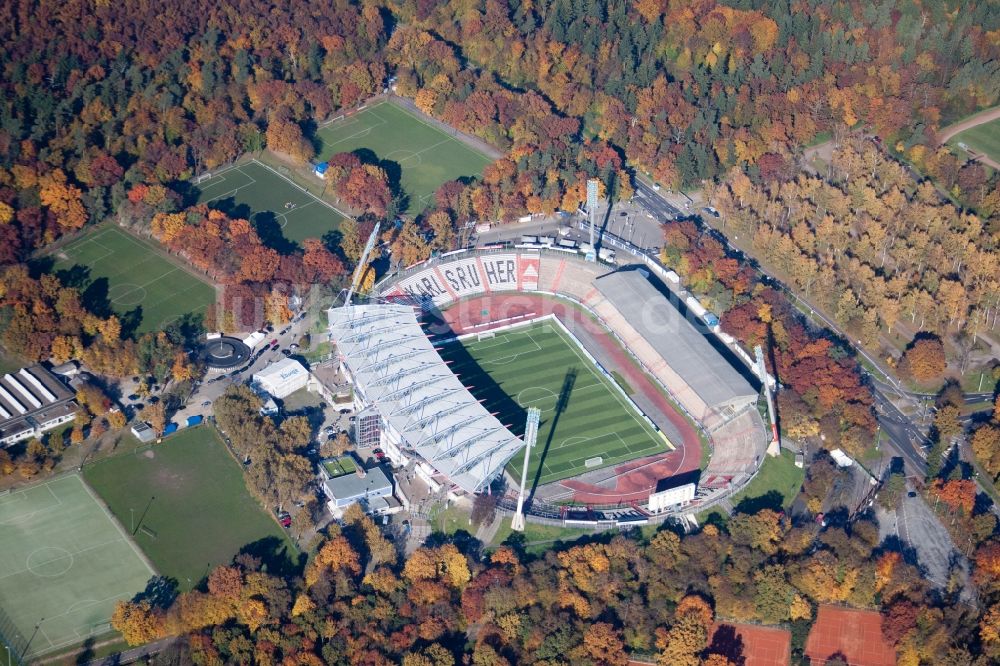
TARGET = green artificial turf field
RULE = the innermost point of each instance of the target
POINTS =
(341, 466)
(65, 565)
(983, 138)
(186, 501)
(279, 209)
(532, 367)
(425, 155)
(148, 291)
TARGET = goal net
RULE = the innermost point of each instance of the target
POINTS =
(488, 335)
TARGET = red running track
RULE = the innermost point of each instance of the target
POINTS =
(634, 479)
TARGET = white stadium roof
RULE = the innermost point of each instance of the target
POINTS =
(396, 369)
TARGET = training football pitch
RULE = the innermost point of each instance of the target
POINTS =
(584, 417)
(187, 503)
(983, 138)
(65, 564)
(276, 206)
(425, 155)
(114, 269)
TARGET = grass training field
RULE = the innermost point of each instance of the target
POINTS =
(65, 564)
(533, 367)
(425, 155)
(186, 501)
(983, 138)
(115, 270)
(278, 208)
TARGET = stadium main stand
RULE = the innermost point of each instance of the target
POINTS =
(427, 415)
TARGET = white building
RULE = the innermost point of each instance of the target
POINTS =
(32, 401)
(283, 378)
(372, 488)
(143, 432)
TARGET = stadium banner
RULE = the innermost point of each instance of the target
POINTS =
(472, 276)
(527, 272)
(423, 285)
(500, 271)
(462, 277)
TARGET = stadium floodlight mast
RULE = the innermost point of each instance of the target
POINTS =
(774, 448)
(530, 435)
(362, 266)
(592, 186)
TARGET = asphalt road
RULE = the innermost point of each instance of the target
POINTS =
(657, 205)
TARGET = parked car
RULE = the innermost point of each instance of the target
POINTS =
(285, 520)
(711, 211)
(274, 342)
(206, 403)
(285, 330)
(293, 346)
(286, 352)
(379, 454)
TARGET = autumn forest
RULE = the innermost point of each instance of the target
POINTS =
(109, 111)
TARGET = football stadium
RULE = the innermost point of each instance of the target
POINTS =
(449, 354)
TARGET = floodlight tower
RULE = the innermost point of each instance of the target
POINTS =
(774, 448)
(362, 266)
(530, 435)
(592, 185)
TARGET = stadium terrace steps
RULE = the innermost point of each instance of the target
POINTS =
(550, 273)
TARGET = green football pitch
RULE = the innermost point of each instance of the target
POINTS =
(111, 266)
(65, 565)
(425, 155)
(186, 501)
(532, 367)
(983, 138)
(277, 206)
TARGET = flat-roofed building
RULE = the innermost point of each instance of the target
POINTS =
(364, 486)
(32, 401)
(283, 378)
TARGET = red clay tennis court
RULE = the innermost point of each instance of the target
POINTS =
(751, 645)
(851, 633)
(746, 645)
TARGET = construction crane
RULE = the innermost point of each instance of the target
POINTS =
(774, 448)
(362, 266)
(530, 435)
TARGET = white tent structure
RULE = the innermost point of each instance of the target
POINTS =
(283, 378)
(426, 413)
